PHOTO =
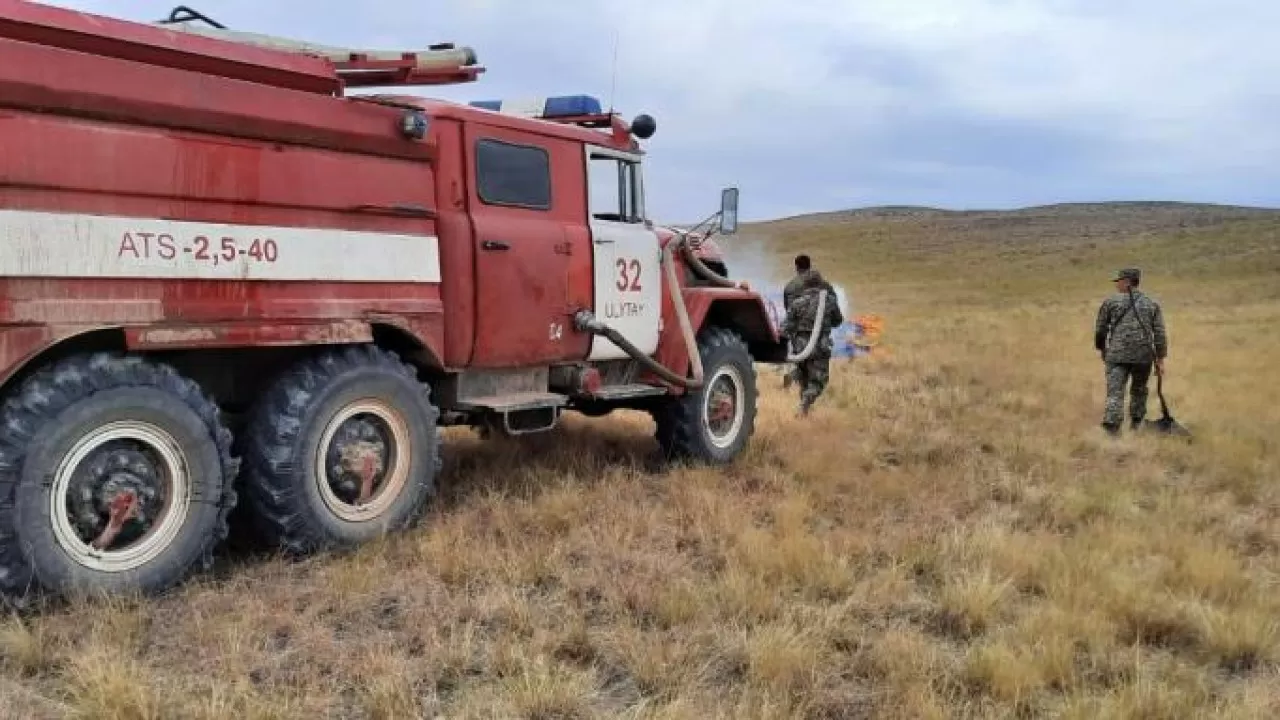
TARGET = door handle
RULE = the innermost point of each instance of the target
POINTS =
(494, 245)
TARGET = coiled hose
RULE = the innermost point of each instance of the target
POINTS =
(701, 270)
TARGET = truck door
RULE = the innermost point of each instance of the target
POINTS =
(628, 273)
(527, 243)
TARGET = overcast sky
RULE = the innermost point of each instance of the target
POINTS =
(813, 105)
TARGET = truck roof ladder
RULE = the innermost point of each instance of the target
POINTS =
(181, 42)
(438, 64)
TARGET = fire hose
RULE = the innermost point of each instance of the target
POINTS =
(813, 335)
(584, 320)
(700, 268)
(710, 276)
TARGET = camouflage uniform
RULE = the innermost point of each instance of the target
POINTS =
(813, 374)
(1126, 347)
(796, 285)
(789, 293)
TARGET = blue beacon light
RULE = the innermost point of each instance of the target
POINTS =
(552, 107)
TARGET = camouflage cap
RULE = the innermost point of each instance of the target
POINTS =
(1128, 274)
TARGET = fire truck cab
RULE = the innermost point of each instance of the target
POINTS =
(236, 298)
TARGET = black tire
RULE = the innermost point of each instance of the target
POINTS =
(683, 432)
(283, 440)
(41, 424)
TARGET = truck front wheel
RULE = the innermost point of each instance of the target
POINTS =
(343, 448)
(115, 476)
(712, 424)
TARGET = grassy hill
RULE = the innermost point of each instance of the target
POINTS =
(948, 536)
(1032, 255)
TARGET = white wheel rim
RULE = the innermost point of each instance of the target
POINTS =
(394, 461)
(726, 438)
(174, 483)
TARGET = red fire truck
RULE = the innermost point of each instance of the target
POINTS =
(228, 282)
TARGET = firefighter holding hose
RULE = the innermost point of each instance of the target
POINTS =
(801, 299)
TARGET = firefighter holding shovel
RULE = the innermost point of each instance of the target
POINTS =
(1130, 336)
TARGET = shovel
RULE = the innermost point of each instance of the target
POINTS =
(1166, 424)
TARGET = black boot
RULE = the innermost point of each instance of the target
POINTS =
(1112, 430)
(806, 404)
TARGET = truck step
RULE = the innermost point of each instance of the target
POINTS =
(627, 392)
(514, 402)
(519, 413)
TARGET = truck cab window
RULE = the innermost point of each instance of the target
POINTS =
(513, 175)
(614, 189)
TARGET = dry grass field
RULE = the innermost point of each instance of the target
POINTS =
(949, 535)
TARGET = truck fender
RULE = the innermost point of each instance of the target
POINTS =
(32, 346)
(18, 345)
(28, 347)
(742, 311)
(246, 334)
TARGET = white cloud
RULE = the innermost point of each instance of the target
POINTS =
(794, 100)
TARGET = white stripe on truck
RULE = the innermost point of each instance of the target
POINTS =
(41, 244)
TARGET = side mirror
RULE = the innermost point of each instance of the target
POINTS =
(729, 211)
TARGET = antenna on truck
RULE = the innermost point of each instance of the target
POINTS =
(439, 64)
(613, 70)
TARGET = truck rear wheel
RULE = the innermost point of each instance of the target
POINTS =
(116, 475)
(712, 424)
(342, 448)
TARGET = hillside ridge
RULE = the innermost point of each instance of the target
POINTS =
(1082, 209)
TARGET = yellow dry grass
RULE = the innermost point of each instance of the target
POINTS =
(948, 536)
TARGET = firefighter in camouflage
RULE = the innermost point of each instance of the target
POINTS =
(801, 300)
(804, 269)
(1130, 335)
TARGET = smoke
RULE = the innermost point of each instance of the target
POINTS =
(748, 259)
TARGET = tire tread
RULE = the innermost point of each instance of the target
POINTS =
(273, 430)
(53, 389)
(678, 419)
